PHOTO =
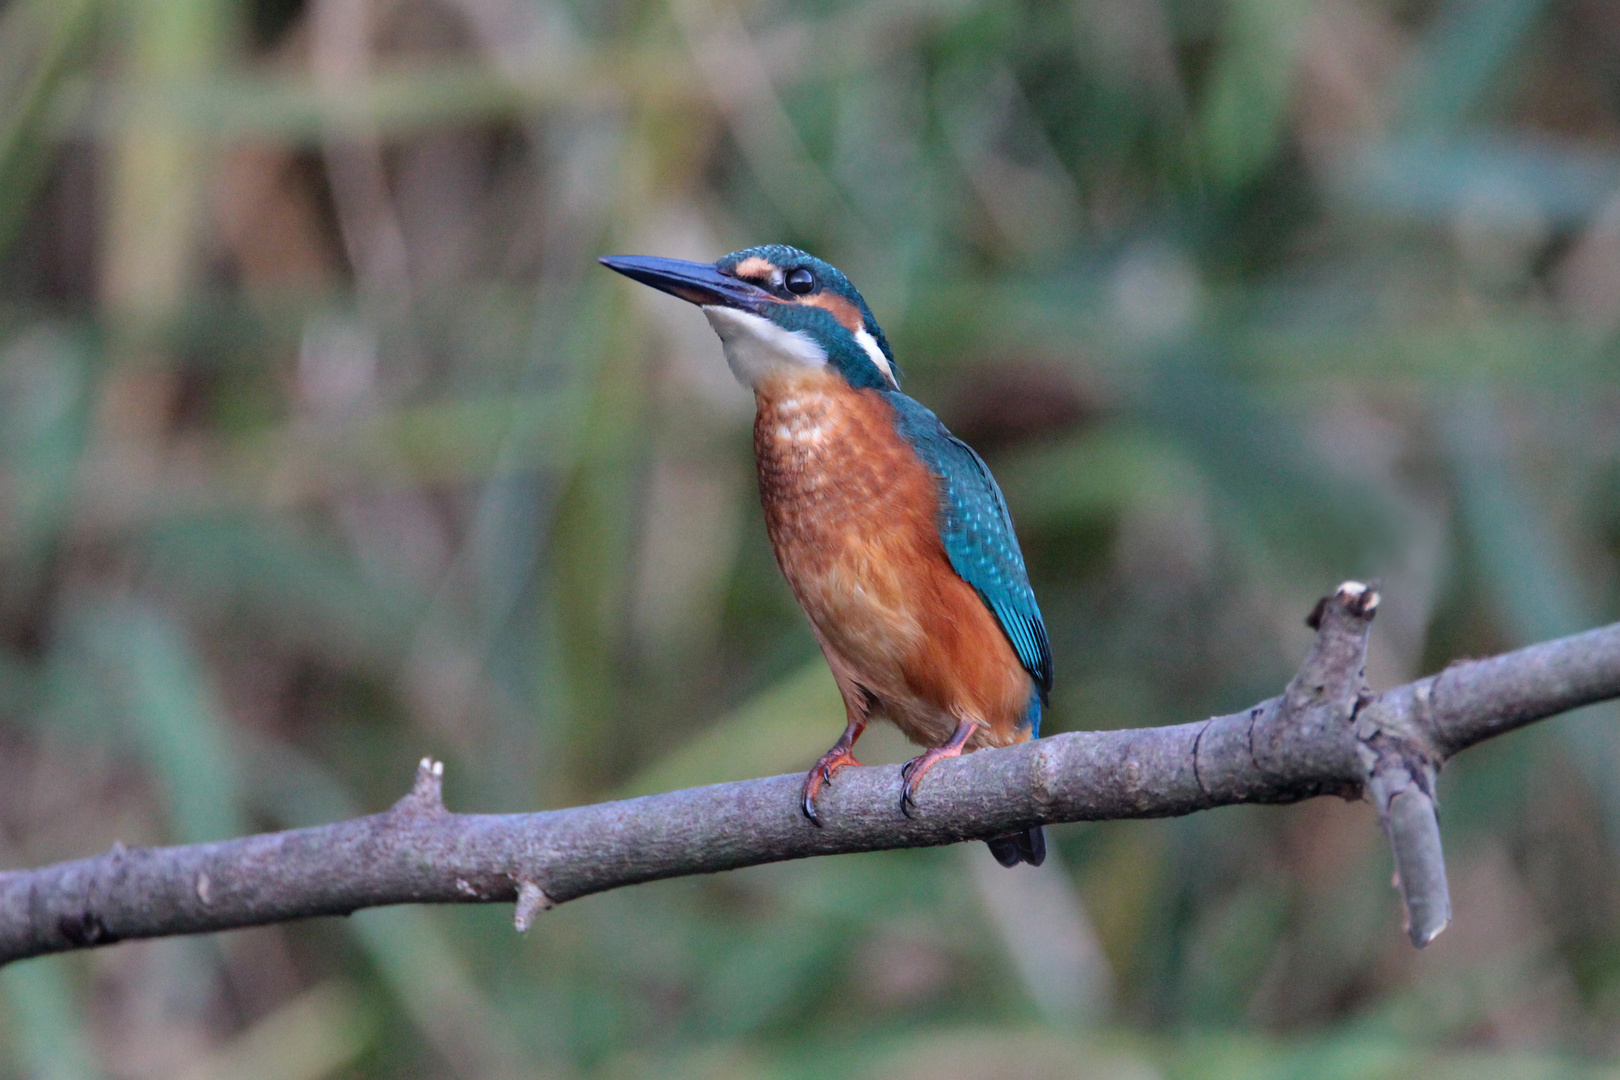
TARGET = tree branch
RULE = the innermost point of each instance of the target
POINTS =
(1326, 734)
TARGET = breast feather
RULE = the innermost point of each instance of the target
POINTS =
(854, 520)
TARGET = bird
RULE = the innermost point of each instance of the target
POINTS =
(891, 532)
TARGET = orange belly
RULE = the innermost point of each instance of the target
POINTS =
(853, 516)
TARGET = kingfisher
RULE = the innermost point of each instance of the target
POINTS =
(890, 531)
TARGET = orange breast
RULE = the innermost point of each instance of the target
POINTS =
(853, 516)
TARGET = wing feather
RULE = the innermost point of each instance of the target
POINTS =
(978, 535)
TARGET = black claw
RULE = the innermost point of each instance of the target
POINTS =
(809, 808)
(908, 797)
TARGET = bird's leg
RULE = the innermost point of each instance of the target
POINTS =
(914, 770)
(841, 754)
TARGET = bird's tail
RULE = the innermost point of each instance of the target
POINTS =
(1028, 846)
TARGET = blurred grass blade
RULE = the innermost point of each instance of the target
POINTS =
(44, 396)
(44, 1021)
(435, 984)
(1098, 474)
(1048, 934)
(317, 1033)
(1532, 582)
(780, 729)
(1259, 463)
(430, 443)
(1242, 120)
(740, 81)
(1490, 180)
(38, 43)
(973, 1050)
(591, 539)
(290, 582)
(1530, 579)
(1015, 172)
(169, 709)
(155, 176)
(1466, 45)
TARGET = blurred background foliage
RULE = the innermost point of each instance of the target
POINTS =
(325, 444)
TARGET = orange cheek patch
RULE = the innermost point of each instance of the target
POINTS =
(847, 314)
(755, 268)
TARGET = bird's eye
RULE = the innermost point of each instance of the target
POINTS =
(799, 281)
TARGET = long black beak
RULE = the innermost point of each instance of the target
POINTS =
(694, 282)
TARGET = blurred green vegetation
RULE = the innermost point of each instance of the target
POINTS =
(325, 444)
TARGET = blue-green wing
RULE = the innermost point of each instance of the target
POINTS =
(978, 535)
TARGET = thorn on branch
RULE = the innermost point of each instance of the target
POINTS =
(427, 792)
(531, 901)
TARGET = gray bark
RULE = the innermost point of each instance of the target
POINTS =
(1326, 734)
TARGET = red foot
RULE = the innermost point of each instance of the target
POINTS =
(841, 754)
(914, 770)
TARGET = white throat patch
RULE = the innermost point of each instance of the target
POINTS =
(757, 348)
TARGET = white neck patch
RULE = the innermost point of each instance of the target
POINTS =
(869, 343)
(757, 348)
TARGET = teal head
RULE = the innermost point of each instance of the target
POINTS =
(777, 311)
